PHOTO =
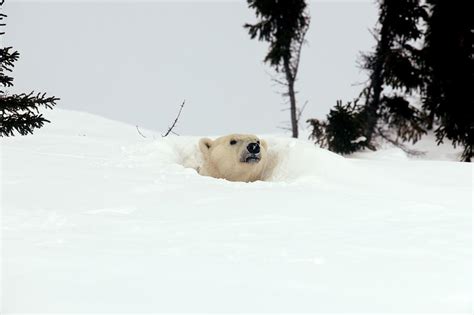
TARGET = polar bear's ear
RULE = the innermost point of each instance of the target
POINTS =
(264, 144)
(205, 145)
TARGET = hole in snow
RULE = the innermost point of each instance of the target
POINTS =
(288, 159)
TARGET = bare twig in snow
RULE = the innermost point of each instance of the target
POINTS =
(170, 129)
(140, 133)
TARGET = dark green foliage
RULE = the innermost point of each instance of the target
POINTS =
(449, 65)
(7, 58)
(402, 71)
(343, 132)
(434, 68)
(398, 115)
(19, 112)
(283, 24)
(394, 66)
(394, 73)
(400, 19)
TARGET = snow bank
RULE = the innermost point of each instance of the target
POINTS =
(296, 160)
(96, 218)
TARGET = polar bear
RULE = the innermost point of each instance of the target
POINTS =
(236, 157)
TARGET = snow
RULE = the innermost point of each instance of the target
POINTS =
(96, 218)
(359, 139)
(424, 149)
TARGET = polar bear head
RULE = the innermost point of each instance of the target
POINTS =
(235, 157)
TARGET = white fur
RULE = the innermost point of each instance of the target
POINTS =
(223, 160)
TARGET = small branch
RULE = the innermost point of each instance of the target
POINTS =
(300, 43)
(279, 81)
(170, 129)
(399, 145)
(300, 111)
(284, 128)
(140, 133)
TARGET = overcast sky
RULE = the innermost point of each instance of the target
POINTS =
(137, 61)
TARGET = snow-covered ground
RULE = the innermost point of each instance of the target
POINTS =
(96, 218)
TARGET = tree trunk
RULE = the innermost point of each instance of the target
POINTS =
(291, 94)
(376, 84)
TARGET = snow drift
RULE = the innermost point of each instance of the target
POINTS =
(96, 218)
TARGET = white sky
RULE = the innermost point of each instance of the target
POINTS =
(137, 61)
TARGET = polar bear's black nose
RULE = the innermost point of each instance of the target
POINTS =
(253, 148)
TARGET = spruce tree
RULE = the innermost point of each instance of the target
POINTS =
(425, 52)
(395, 73)
(449, 67)
(283, 24)
(19, 112)
(343, 130)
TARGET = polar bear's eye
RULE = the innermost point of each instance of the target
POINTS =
(232, 142)
(258, 141)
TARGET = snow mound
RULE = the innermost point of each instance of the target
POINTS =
(98, 219)
(295, 160)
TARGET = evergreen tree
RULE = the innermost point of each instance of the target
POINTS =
(19, 112)
(436, 68)
(283, 24)
(343, 130)
(449, 65)
(394, 73)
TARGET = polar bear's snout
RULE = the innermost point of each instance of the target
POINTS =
(254, 148)
(253, 153)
